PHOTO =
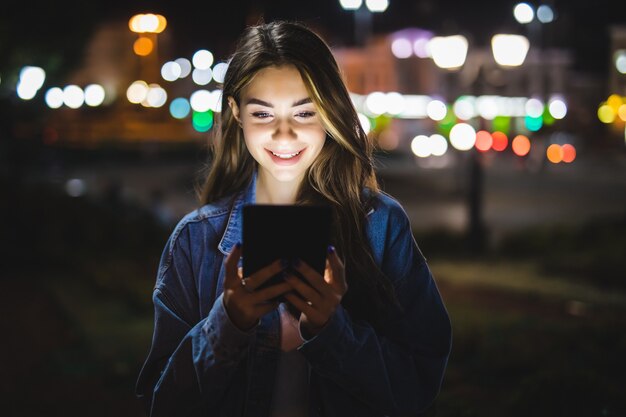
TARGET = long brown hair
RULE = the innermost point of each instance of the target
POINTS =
(340, 173)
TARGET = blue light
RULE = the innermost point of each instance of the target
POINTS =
(179, 108)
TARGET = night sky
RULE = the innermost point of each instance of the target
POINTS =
(56, 31)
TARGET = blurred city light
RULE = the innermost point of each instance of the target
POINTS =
(202, 59)
(557, 108)
(54, 98)
(533, 123)
(415, 106)
(523, 13)
(75, 187)
(464, 107)
(351, 4)
(509, 50)
(500, 141)
(30, 81)
(620, 61)
(185, 67)
(420, 146)
(73, 96)
(534, 107)
(200, 101)
(401, 48)
(137, 92)
(615, 101)
(438, 145)
(545, 14)
(219, 72)
(202, 76)
(376, 103)
(143, 46)
(147, 23)
(462, 136)
(377, 6)
(436, 110)
(156, 96)
(621, 112)
(554, 153)
(94, 95)
(202, 121)
(365, 123)
(421, 48)
(170, 71)
(484, 141)
(520, 145)
(606, 114)
(487, 107)
(180, 108)
(448, 52)
(395, 103)
(569, 153)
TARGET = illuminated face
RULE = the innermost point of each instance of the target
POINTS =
(281, 125)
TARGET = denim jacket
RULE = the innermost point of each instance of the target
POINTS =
(200, 364)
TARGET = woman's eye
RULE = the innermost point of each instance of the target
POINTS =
(305, 114)
(261, 115)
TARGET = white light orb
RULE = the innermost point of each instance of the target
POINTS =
(377, 6)
(557, 108)
(215, 101)
(438, 145)
(421, 48)
(462, 137)
(156, 96)
(170, 71)
(219, 72)
(524, 13)
(376, 103)
(401, 48)
(620, 61)
(54, 97)
(185, 67)
(487, 107)
(202, 76)
(73, 96)
(32, 77)
(464, 108)
(137, 92)
(534, 107)
(25, 91)
(75, 187)
(350, 4)
(94, 95)
(420, 146)
(448, 51)
(436, 110)
(200, 101)
(545, 14)
(509, 50)
(202, 59)
(395, 103)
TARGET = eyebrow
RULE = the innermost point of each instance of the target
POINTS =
(267, 104)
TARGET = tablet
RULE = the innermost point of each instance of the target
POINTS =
(272, 232)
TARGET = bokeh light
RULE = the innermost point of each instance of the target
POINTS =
(75, 187)
(401, 48)
(464, 107)
(557, 108)
(421, 48)
(615, 101)
(395, 103)
(94, 95)
(54, 98)
(448, 52)
(509, 50)
(484, 141)
(545, 14)
(569, 153)
(462, 136)
(377, 6)
(500, 141)
(520, 145)
(30, 81)
(180, 108)
(143, 46)
(523, 13)
(365, 123)
(487, 107)
(156, 96)
(376, 103)
(606, 114)
(533, 123)
(621, 112)
(438, 145)
(185, 67)
(147, 23)
(171, 71)
(420, 146)
(73, 96)
(202, 76)
(137, 92)
(351, 4)
(219, 72)
(620, 61)
(202, 121)
(436, 110)
(200, 101)
(534, 107)
(554, 153)
(202, 59)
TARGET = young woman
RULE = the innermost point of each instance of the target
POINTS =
(369, 338)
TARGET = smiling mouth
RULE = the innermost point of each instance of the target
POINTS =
(285, 155)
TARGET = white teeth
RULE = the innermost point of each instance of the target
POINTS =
(285, 155)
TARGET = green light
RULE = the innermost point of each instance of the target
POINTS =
(533, 123)
(502, 124)
(548, 119)
(202, 121)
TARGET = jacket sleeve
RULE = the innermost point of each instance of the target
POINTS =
(398, 372)
(192, 360)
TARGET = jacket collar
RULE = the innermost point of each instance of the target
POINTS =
(232, 233)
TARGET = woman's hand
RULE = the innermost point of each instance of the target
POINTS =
(245, 306)
(318, 301)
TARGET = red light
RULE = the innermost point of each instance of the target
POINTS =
(569, 153)
(520, 145)
(500, 141)
(483, 140)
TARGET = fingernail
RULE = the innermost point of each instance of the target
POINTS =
(331, 249)
(284, 262)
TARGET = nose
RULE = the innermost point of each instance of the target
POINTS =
(283, 130)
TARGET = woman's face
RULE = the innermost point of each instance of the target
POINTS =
(281, 126)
